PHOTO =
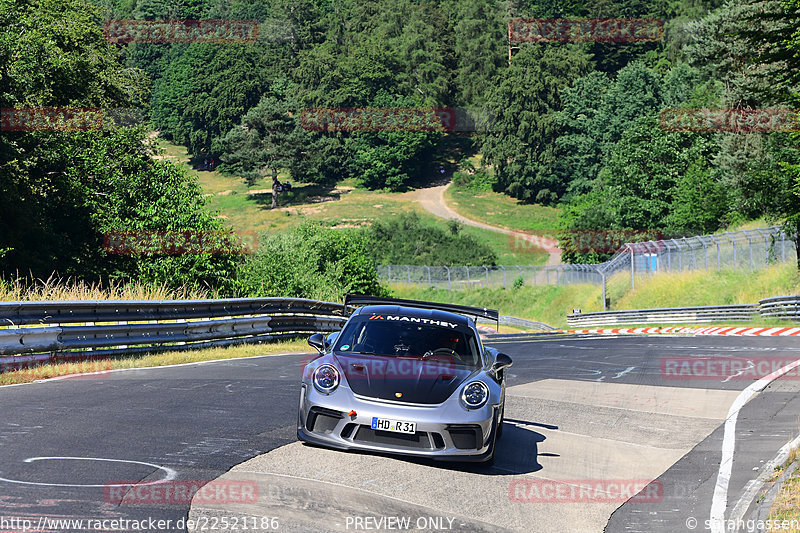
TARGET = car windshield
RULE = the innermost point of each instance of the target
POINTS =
(410, 337)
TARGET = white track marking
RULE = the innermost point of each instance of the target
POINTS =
(719, 502)
(171, 474)
(754, 485)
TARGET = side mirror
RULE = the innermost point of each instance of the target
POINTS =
(330, 340)
(501, 361)
(317, 341)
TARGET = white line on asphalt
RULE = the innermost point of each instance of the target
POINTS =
(171, 474)
(620, 374)
(754, 485)
(719, 502)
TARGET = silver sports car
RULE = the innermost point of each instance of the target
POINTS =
(405, 377)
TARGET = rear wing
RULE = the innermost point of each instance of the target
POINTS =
(356, 300)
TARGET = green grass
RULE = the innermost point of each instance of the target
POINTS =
(160, 359)
(551, 304)
(500, 210)
(247, 209)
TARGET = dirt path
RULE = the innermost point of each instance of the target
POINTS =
(432, 200)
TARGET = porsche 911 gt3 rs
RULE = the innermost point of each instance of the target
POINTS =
(405, 377)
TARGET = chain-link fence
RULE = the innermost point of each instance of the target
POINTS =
(744, 249)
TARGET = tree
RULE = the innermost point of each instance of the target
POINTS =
(525, 100)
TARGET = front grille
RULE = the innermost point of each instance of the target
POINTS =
(322, 420)
(465, 437)
(419, 440)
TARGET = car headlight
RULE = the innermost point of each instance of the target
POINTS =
(475, 395)
(326, 378)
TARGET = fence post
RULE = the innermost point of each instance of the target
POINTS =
(469, 282)
(487, 275)
(504, 275)
(389, 274)
(429, 276)
(602, 275)
(449, 286)
(408, 271)
(633, 268)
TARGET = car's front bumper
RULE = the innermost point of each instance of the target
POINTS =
(445, 431)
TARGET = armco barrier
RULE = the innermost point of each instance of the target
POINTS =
(787, 307)
(781, 307)
(90, 329)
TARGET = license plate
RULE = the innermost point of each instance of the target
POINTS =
(397, 426)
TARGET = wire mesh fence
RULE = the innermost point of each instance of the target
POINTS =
(744, 249)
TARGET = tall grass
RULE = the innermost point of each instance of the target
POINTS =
(58, 289)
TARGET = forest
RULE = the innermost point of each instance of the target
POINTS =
(577, 125)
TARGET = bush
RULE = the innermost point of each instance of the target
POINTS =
(480, 181)
(311, 261)
(407, 240)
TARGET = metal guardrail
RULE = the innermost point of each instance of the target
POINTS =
(523, 323)
(781, 307)
(785, 307)
(91, 329)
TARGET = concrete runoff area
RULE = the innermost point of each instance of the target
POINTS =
(558, 433)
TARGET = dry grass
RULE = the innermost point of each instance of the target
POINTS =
(151, 360)
(56, 289)
(787, 503)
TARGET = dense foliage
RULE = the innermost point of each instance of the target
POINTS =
(577, 125)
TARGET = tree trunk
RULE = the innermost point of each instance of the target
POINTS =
(274, 188)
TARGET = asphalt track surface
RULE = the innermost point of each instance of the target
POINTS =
(580, 407)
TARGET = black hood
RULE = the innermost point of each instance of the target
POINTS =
(416, 380)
